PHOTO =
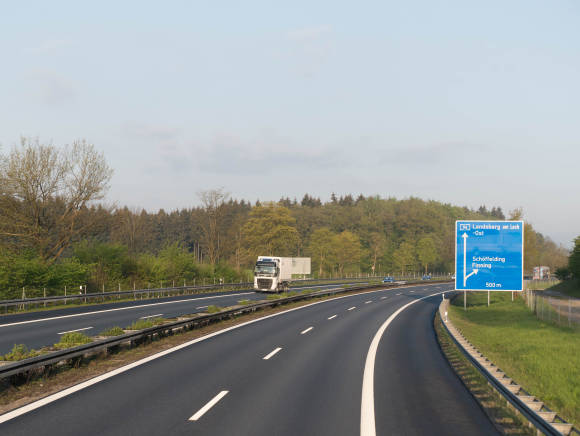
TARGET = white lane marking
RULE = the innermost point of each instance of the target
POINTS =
(332, 317)
(151, 316)
(202, 307)
(399, 293)
(79, 387)
(367, 302)
(414, 291)
(267, 357)
(367, 408)
(208, 406)
(351, 308)
(303, 332)
(193, 300)
(77, 330)
(383, 298)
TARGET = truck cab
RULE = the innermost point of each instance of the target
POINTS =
(267, 275)
(274, 274)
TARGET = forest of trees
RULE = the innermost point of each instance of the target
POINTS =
(54, 235)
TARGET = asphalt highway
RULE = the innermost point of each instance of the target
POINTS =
(300, 372)
(39, 329)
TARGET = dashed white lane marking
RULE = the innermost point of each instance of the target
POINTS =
(76, 330)
(151, 316)
(399, 293)
(303, 332)
(332, 317)
(95, 380)
(202, 307)
(272, 353)
(208, 406)
(351, 308)
(383, 298)
(367, 302)
(190, 300)
(367, 408)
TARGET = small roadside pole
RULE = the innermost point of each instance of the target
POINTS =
(44, 293)
(512, 295)
(65, 294)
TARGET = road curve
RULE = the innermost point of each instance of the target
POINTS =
(297, 373)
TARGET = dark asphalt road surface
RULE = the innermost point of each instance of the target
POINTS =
(39, 329)
(311, 386)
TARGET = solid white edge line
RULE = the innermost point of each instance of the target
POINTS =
(272, 353)
(118, 308)
(303, 332)
(332, 317)
(68, 391)
(76, 330)
(151, 316)
(208, 406)
(367, 408)
(351, 308)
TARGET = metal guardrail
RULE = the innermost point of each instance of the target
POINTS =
(119, 293)
(536, 420)
(149, 291)
(34, 363)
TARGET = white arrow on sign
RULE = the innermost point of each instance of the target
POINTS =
(475, 270)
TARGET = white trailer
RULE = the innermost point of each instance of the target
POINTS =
(274, 274)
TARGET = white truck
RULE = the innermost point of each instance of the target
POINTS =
(274, 274)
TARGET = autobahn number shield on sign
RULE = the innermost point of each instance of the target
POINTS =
(489, 255)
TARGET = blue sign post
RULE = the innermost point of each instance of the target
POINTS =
(489, 255)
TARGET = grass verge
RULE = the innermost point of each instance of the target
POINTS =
(20, 352)
(72, 339)
(492, 403)
(541, 357)
(113, 331)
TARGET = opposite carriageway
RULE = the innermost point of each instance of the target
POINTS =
(39, 329)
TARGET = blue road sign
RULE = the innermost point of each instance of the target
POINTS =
(489, 255)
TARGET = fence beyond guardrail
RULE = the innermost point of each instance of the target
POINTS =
(560, 310)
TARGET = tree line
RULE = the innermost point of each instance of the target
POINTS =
(571, 270)
(55, 231)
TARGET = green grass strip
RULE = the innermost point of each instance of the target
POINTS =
(543, 358)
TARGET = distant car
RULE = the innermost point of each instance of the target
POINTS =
(388, 279)
(453, 276)
(426, 277)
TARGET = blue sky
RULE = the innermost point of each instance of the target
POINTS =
(463, 102)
